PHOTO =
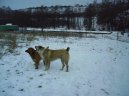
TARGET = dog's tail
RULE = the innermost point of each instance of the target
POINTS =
(68, 48)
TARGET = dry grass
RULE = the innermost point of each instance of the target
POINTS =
(9, 41)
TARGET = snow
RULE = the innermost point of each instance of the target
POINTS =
(97, 67)
(65, 30)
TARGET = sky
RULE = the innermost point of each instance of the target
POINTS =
(20, 4)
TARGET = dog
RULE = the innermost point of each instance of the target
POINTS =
(49, 55)
(34, 55)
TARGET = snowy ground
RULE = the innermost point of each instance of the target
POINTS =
(98, 67)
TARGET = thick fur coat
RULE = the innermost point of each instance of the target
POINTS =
(49, 55)
(34, 55)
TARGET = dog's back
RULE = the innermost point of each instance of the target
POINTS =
(55, 54)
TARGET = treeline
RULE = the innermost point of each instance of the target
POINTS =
(111, 15)
(45, 17)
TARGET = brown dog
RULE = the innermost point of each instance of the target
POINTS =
(49, 55)
(34, 55)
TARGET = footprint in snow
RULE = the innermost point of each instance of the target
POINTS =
(107, 93)
(21, 90)
(39, 86)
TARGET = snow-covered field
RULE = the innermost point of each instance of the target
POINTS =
(97, 67)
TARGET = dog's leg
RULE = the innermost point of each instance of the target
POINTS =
(44, 62)
(67, 66)
(64, 60)
(63, 64)
(36, 65)
(47, 65)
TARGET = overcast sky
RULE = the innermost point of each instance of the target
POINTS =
(20, 4)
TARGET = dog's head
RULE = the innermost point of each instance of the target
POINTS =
(30, 50)
(40, 48)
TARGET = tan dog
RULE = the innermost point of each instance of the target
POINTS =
(35, 56)
(49, 55)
